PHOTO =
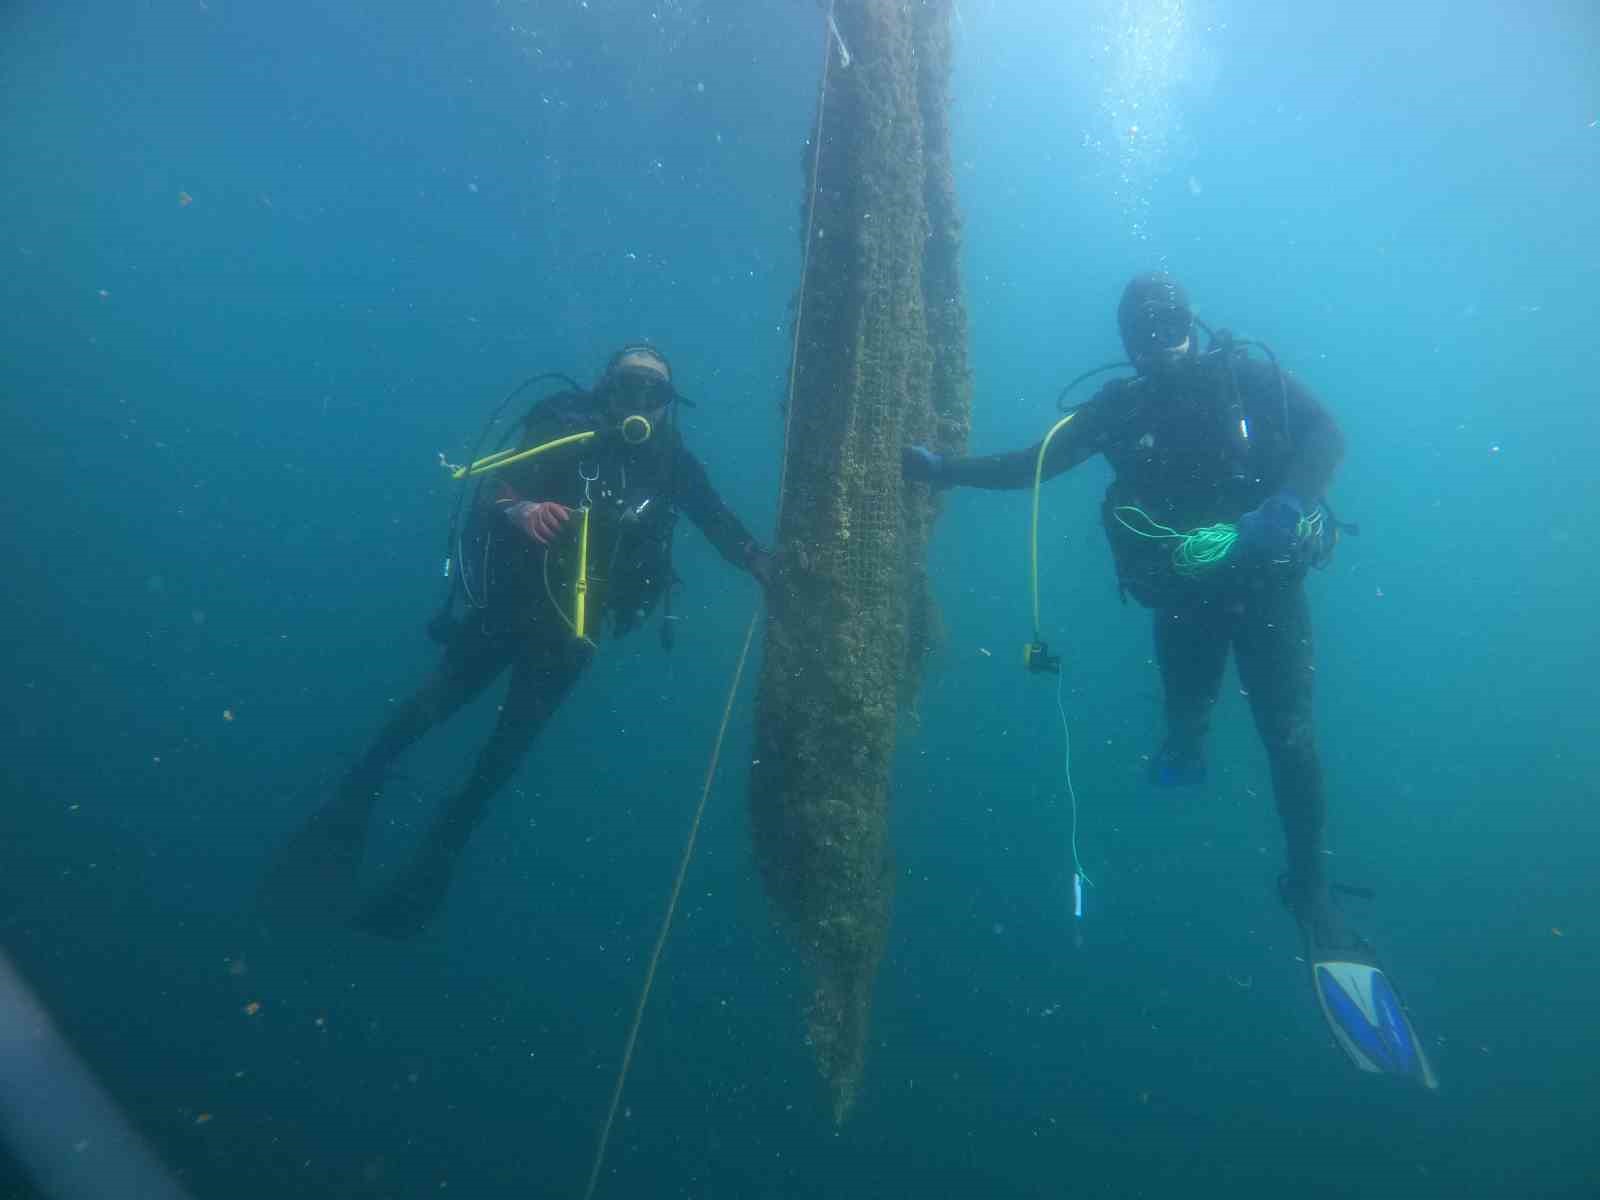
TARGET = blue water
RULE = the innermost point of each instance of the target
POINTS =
(223, 502)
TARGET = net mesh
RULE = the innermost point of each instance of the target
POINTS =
(880, 364)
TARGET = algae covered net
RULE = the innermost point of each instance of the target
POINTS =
(880, 363)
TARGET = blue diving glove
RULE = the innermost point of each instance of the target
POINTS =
(1272, 531)
(918, 464)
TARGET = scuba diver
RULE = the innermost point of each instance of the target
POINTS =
(1215, 513)
(568, 528)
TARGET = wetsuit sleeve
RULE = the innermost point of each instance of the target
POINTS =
(498, 495)
(1074, 443)
(502, 497)
(694, 494)
(1317, 444)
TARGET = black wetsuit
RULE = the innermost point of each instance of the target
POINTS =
(519, 612)
(1175, 444)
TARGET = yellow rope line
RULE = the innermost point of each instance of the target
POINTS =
(738, 671)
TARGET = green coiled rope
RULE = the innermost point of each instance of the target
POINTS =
(1202, 549)
(1197, 551)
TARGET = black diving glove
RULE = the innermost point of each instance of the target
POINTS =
(1271, 533)
(918, 464)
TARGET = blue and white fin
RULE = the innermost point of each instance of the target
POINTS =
(1369, 1022)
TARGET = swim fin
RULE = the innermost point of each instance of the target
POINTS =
(314, 873)
(1365, 1014)
(414, 897)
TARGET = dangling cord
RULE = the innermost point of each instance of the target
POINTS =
(738, 670)
(1080, 878)
(1033, 525)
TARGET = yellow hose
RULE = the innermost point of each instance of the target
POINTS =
(580, 599)
(1033, 537)
(504, 458)
(579, 620)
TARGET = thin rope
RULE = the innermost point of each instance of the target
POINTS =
(1066, 735)
(672, 906)
(738, 671)
(805, 257)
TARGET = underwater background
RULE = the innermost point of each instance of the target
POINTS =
(264, 263)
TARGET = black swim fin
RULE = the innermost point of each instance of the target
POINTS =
(413, 898)
(315, 872)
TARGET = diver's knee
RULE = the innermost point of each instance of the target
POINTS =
(1290, 737)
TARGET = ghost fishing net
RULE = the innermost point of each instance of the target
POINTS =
(880, 362)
